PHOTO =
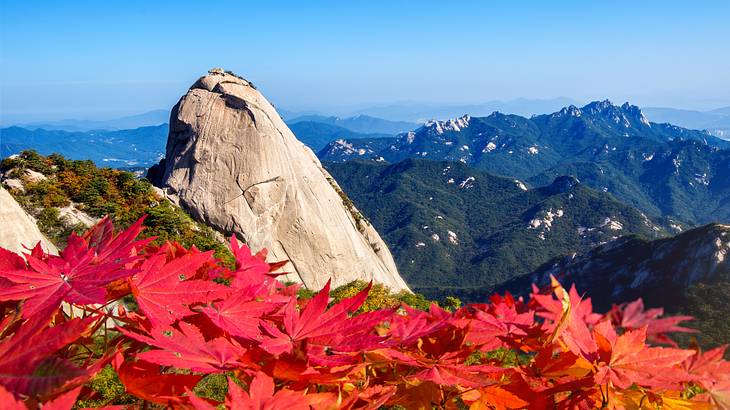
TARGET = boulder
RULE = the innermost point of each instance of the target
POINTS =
(18, 229)
(232, 162)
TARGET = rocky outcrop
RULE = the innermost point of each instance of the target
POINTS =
(233, 164)
(17, 228)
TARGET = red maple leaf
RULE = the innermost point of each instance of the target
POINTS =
(499, 398)
(371, 398)
(33, 345)
(406, 330)
(164, 290)
(719, 393)
(143, 379)
(261, 396)
(252, 270)
(631, 361)
(459, 375)
(9, 402)
(80, 274)
(633, 316)
(314, 321)
(489, 332)
(65, 401)
(712, 373)
(239, 315)
(709, 365)
(109, 245)
(186, 348)
(10, 261)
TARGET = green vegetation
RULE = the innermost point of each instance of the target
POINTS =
(452, 228)
(213, 386)
(360, 220)
(102, 191)
(708, 304)
(380, 297)
(108, 389)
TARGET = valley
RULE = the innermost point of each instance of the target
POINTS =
(451, 226)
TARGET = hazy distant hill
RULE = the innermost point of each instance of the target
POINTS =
(150, 118)
(361, 123)
(660, 168)
(419, 112)
(716, 121)
(119, 149)
(317, 135)
(450, 226)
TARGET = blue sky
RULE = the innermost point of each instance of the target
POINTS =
(94, 59)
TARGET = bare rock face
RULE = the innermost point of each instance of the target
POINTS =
(233, 164)
(17, 228)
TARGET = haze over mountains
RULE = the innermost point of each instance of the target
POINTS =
(407, 116)
(137, 147)
(313, 128)
(716, 121)
(149, 118)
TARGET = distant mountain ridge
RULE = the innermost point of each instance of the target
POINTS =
(450, 226)
(145, 119)
(420, 112)
(139, 147)
(662, 169)
(95, 140)
(716, 121)
(360, 123)
(317, 135)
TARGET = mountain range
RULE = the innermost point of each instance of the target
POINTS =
(664, 170)
(138, 147)
(452, 227)
(364, 124)
(316, 135)
(419, 112)
(133, 142)
(145, 119)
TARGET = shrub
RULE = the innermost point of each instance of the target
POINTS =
(379, 297)
(104, 191)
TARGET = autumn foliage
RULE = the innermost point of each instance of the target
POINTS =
(188, 317)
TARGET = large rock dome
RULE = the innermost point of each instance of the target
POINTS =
(232, 162)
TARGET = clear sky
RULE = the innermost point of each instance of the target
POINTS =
(93, 59)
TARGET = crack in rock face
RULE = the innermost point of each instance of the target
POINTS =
(234, 164)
